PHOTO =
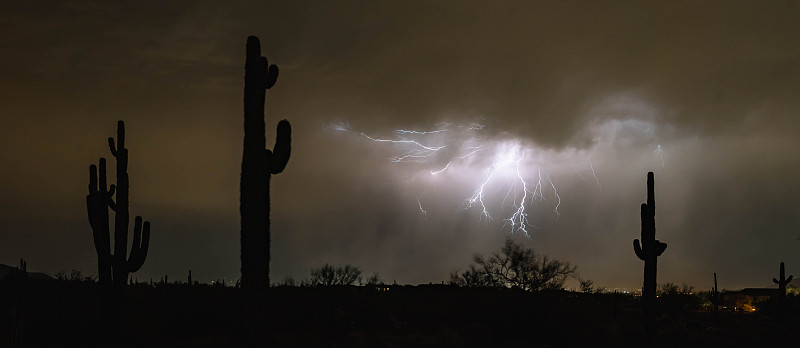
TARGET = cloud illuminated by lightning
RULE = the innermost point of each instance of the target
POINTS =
(505, 168)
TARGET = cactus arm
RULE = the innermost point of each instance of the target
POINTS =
(266, 74)
(145, 246)
(638, 249)
(775, 281)
(789, 280)
(272, 75)
(117, 150)
(137, 238)
(110, 202)
(112, 147)
(660, 247)
(277, 159)
(141, 242)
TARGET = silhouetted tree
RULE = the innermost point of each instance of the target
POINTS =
(650, 248)
(675, 299)
(258, 164)
(374, 279)
(587, 286)
(287, 281)
(670, 288)
(61, 275)
(329, 275)
(114, 268)
(518, 267)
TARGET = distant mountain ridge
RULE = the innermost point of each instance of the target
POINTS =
(7, 271)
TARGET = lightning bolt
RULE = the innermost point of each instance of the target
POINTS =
(660, 153)
(555, 192)
(403, 131)
(341, 127)
(519, 219)
(478, 195)
(434, 172)
(599, 187)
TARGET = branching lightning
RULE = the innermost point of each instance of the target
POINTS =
(591, 166)
(452, 150)
(478, 195)
(434, 172)
(519, 220)
(555, 192)
(660, 153)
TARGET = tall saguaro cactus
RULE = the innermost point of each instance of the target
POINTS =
(114, 268)
(782, 282)
(650, 248)
(715, 294)
(258, 164)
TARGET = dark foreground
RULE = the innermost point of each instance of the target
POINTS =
(72, 314)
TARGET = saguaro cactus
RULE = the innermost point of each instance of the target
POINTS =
(715, 294)
(258, 164)
(650, 248)
(114, 268)
(782, 282)
(23, 266)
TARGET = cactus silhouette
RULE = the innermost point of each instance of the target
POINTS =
(23, 266)
(782, 282)
(114, 268)
(258, 164)
(650, 248)
(715, 294)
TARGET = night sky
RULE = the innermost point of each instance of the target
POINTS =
(707, 96)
